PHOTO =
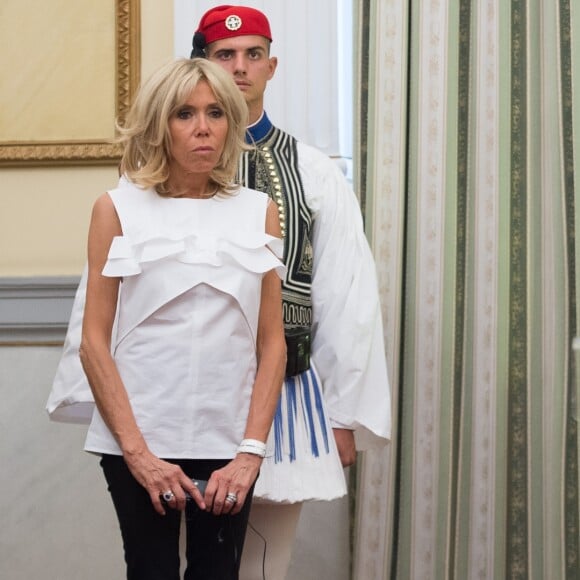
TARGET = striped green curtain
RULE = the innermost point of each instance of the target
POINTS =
(469, 129)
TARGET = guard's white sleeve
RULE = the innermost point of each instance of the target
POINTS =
(348, 346)
(71, 399)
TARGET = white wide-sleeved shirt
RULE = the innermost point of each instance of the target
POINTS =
(348, 346)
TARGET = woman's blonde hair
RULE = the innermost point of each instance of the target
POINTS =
(145, 131)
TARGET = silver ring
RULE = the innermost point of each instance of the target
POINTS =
(168, 495)
(232, 498)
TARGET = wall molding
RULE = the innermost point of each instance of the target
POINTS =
(35, 311)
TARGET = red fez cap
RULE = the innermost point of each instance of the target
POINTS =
(227, 21)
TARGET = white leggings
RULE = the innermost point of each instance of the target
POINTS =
(268, 557)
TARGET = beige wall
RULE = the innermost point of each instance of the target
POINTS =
(45, 211)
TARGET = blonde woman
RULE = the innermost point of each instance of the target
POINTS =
(184, 264)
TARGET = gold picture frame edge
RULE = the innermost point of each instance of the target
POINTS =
(91, 152)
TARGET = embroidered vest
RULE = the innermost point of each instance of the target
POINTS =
(273, 168)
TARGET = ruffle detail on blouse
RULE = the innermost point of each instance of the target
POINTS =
(254, 251)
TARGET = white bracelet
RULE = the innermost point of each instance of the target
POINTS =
(252, 446)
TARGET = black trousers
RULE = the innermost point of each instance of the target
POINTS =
(151, 541)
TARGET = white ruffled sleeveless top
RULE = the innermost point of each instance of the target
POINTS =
(187, 317)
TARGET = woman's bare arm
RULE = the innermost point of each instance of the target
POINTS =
(240, 474)
(107, 386)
